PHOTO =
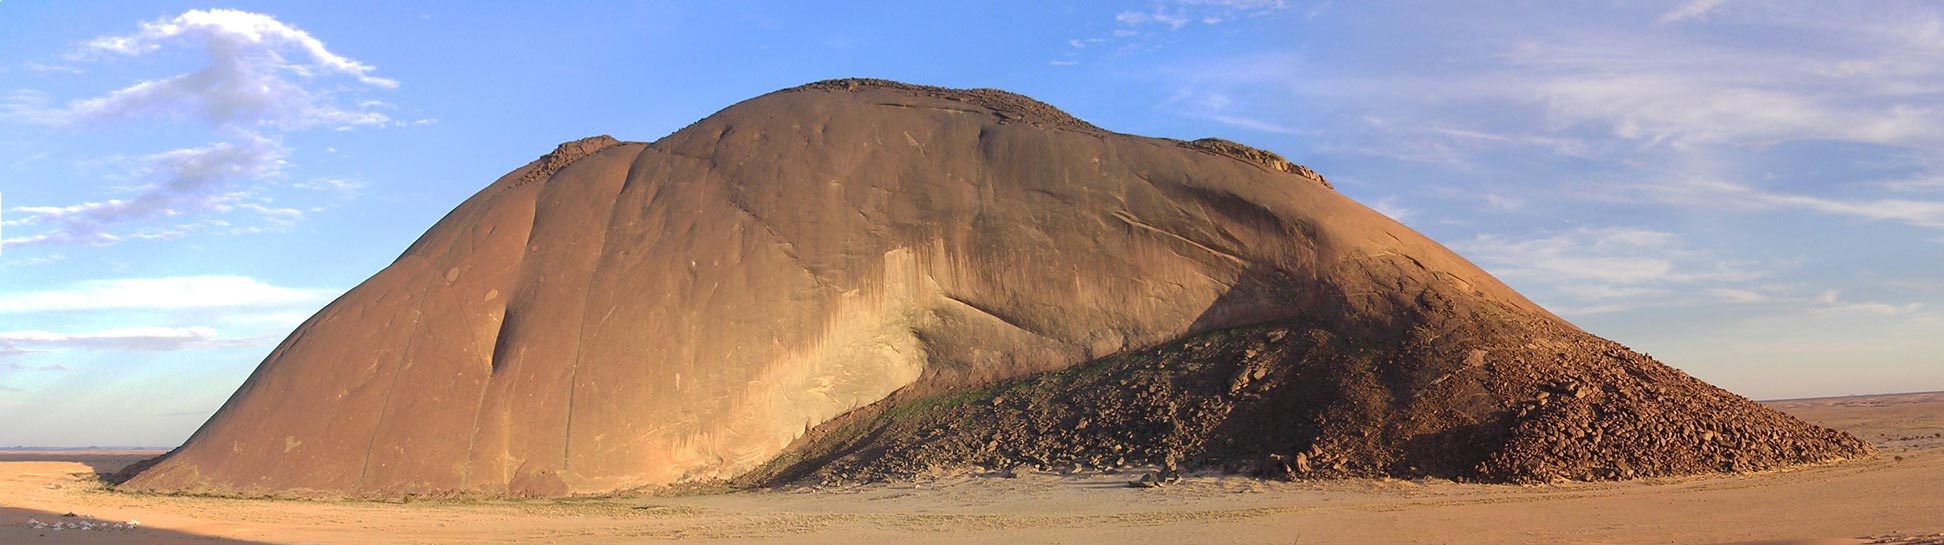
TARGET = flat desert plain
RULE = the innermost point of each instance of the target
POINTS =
(1896, 497)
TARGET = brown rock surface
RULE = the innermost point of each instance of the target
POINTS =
(719, 303)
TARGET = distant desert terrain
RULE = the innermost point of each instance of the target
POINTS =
(1892, 498)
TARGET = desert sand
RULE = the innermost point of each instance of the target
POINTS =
(1894, 497)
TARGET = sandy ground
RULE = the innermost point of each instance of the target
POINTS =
(1897, 497)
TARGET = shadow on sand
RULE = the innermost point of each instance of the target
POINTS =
(106, 464)
(15, 528)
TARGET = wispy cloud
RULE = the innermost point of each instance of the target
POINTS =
(1722, 195)
(263, 78)
(1608, 269)
(31, 261)
(1222, 107)
(165, 293)
(1735, 295)
(7, 349)
(1693, 9)
(1832, 302)
(1388, 206)
(1132, 27)
(1919, 183)
(1159, 15)
(1808, 74)
(184, 182)
(1706, 116)
(44, 68)
(1502, 203)
(261, 72)
(127, 339)
(1255, 124)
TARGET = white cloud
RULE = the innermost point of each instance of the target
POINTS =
(1880, 309)
(8, 350)
(1926, 182)
(44, 68)
(31, 261)
(1591, 271)
(1388, 206)
(1722, 195)
(1174, 20)
(264, 77)
(29, 105)
(251, 80)
(1253, 124)
(1831, 302)
(166, 293)
(1606, 269)
(1694, 106)
(1612, 255)
(1801, 72)
(342, 187)
(1797, 74)
(184, 182)
(1734, 295)
(1502, 202)
(1564, 109)
(127, 339)
(1251, 5)
(1219, 107)
(1174, 15)
(1692, 10)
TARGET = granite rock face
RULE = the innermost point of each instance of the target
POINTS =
(737, 300)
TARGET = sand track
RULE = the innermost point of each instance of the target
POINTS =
(1893, 498)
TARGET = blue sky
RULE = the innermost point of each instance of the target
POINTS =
(1750, 191)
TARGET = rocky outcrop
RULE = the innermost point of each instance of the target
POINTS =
(563, 155)
(860, 279)
(1268, 160)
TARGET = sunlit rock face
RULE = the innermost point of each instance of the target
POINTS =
(620, 315)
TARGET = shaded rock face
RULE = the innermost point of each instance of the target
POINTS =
(807, 282)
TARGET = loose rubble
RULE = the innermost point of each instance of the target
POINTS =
(1289, 402)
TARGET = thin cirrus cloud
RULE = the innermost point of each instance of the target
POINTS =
(1390, 208)
(1173, 15)
(1694, 9)
(1594, 270)
(1600, 270)
(1640, 115)
(7, 350)
(165, 293)
(263, 78)
(145, 339)
(1832, 302)
(1132, 29)
(1719, 194)
(1654, 98)
(183, 182)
